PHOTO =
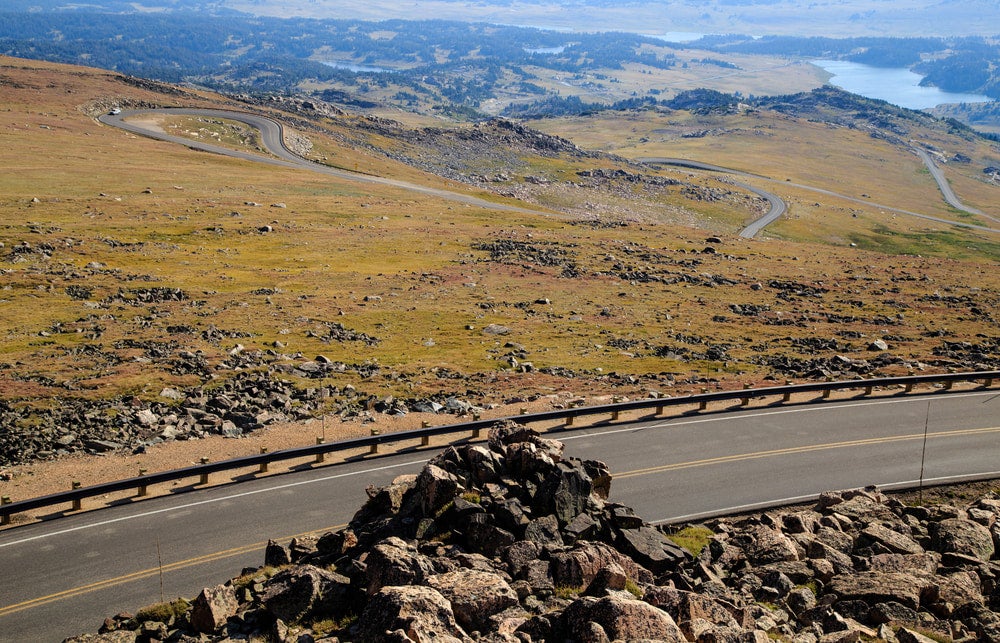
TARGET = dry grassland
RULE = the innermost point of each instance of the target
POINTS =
(270, 259)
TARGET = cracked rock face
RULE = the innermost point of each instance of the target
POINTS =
(514, 540)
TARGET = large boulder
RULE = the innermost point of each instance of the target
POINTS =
(422, 614)
(294, 593)
(962, 537)
(880, 587)
(619, 618)
(474, 595)
(650, 548)
(213, 607)
(763, 545)
(394, 562)
(579, 566)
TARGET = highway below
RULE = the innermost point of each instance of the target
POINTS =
(64, 576)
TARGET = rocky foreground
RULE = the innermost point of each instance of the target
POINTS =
(512, 541)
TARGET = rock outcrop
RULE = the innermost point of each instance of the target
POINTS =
(513, 541)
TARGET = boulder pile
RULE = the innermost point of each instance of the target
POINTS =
(510, 540)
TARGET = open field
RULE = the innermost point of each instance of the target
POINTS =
(129, 265)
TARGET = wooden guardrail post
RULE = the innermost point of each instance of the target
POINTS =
(703, 404)
(869, 389)
(787, 397)
(745, 400)
(262, 468)
(988, 382)
(77, 503)
(373, 449)
(523, 411)
(204, 476)
(948, 385)
(142, 487)
(5, 519)
(569, 421)
(476, 433)
(320, 457)
(908, 388)
(615, 414)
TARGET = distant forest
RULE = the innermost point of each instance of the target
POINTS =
(450, 64)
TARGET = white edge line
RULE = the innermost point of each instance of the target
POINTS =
(728, 418)
(767, 504)
(207, 502)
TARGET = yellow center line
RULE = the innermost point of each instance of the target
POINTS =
(801, 449)
(146, 573)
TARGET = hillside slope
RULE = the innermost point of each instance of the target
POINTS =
(153, 293)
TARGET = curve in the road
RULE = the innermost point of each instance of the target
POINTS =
(777, 206)
(715, 168)
(949, 194)
(62, 577)
(272, 138)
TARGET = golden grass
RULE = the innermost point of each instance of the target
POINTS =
(112, 212)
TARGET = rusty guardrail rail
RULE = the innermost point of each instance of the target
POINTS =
(320, 449)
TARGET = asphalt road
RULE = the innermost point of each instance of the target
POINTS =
(63, 577)
(778, 206)
(273, 141)
(949, 195)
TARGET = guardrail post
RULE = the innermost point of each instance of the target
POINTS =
(523, 411)
(5, 519)
(948, 385)
(373, 449)
(703, 404)
(142, 487)
(77, 504)
(787, 397)
(745, 401)
(869, 389)
(425, 441)
(476, 433)
(988, 382)
(263, 465)
(425, 425)
(569, 421)
(908, 388)
(660, 409)
(204, 476)
(320, 457)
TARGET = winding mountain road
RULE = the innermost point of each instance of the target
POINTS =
(778, 206)
(63, 577)
(272, 138)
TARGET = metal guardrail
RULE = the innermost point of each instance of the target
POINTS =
(320, 449)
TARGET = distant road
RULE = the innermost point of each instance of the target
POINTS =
(945, 187)
(715, 168)
(778, 207)
(273, 141)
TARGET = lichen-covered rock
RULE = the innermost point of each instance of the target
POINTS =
(213, 607)
(879, 587)
(962, 537)
(394, 562)
(294, 593)
(474, 596)
(422, 614)
(620, 618)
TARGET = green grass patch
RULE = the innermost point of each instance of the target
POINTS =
(693, 538)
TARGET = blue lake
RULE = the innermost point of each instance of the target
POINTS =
(357, 68)
(897, 86)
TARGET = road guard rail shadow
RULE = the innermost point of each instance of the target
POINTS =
(318, 451)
